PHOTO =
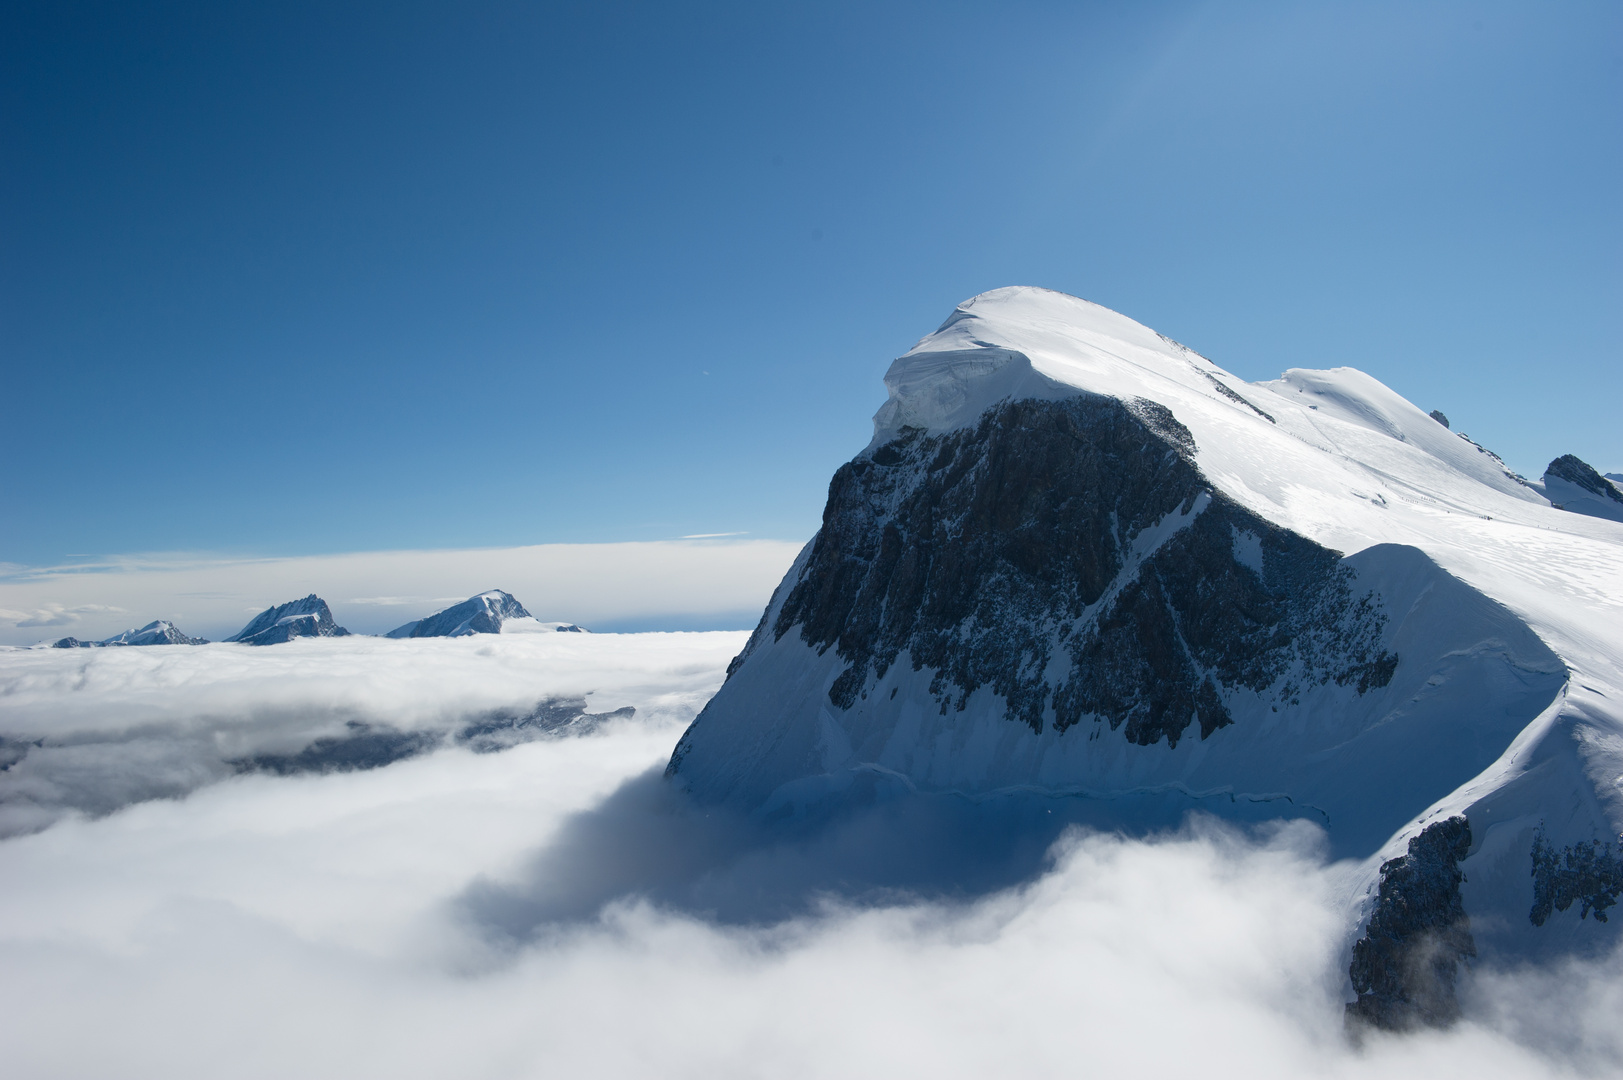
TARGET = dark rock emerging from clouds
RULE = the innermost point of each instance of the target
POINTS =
(159, 632)
(363, 746)
(552, 718)
(482, 614)
(1588, 874)
(309, 617)
(373, 746)
(1404, 967)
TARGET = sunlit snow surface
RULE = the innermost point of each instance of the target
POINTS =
(320, 925)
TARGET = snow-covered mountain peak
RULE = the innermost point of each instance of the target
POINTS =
(1338, 433)
(488, 612)
(308, 616)
(1029, 343)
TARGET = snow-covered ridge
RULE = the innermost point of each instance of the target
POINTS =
(1015, 343)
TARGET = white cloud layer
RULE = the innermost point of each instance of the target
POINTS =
(317, 925)
(96, 730)
(687, 584)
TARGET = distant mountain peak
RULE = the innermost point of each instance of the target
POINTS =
(484, 613)
(306, 617)
(157, 632)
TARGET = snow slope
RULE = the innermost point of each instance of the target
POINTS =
(1507, 705)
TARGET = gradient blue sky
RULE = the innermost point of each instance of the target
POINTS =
(289, 279)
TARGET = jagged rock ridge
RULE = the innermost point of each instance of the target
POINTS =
(1572, 484)
(309, 617)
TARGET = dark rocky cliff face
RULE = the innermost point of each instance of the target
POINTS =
(1031, 555)
(1405, 966)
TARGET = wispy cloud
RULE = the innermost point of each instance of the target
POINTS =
(53, 614)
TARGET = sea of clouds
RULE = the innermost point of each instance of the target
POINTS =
(554, 910)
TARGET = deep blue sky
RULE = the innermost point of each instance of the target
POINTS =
(290, 279)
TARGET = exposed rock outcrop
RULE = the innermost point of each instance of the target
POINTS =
(1405, 967)
(1069, 555)
(1570, 483)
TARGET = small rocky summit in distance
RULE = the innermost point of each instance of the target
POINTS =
(1437, 415)
(482, 614)
(309, 617)
(158, 632)
(1570, 483)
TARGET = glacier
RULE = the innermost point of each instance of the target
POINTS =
(1079, 563)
